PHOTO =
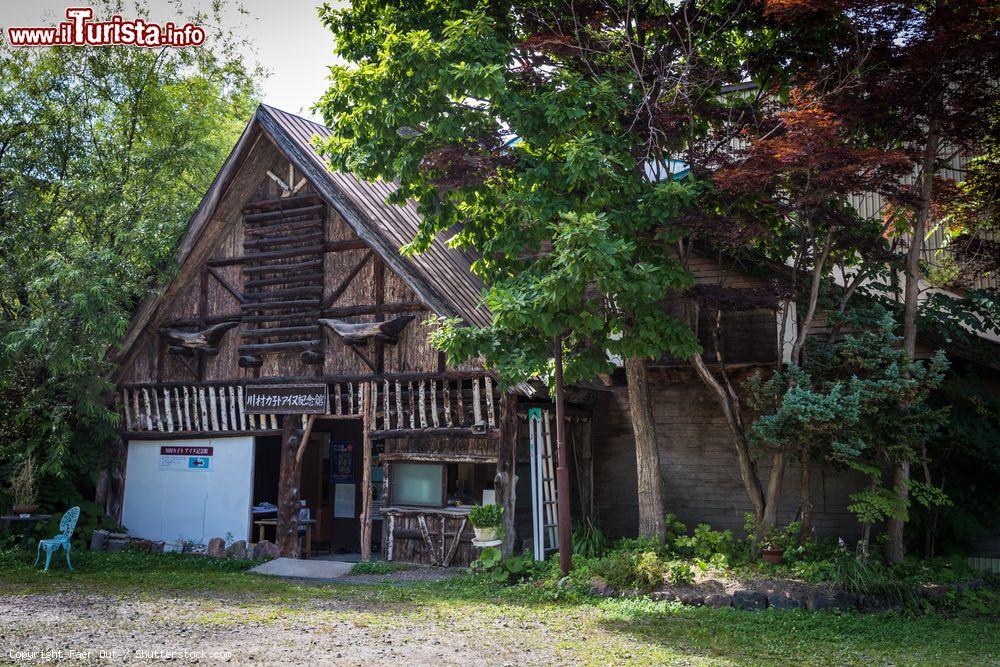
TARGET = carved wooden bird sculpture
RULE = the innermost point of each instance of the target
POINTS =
(189, 342)
(359, 333)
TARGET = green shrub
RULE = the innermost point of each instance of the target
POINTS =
(500, 570)
(588, 540)
(632, 569)
(679, 573)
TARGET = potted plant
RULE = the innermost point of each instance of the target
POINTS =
(775, 541)
(487, 522)
(24, 487)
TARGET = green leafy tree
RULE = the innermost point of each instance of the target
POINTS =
(541, 136)
(104, 154)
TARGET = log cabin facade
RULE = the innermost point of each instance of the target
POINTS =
(290, 280)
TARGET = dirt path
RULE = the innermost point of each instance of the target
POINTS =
(90, 629)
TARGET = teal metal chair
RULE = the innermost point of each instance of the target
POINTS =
(61, 541)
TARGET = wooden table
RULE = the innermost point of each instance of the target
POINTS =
(29, 520)
(308, 523)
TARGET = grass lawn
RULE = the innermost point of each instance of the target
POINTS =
(135, 601)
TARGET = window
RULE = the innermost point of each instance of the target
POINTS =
(417, 484)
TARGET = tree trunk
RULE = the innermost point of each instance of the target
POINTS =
(805, 497)
(505, 481)
(287, 529)
(773, 497)
(647, 455)
(896, 549)
(730, 410)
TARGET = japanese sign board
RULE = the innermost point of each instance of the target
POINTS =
(286, 399)
(174, 457)
(341, 462)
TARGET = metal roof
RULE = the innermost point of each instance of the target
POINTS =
(443, 271)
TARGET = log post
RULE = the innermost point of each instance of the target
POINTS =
(366, 474)
(287, 529)
(505, 481)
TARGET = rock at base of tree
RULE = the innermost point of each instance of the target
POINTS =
(873, 603)
(783, 601)
(237, 549)
(719, 600)
(845, 601)
(601, 588)
(99, 540)
(691, 599)
(819, 601)
(750, 600)
(265, 550)
(216, 547)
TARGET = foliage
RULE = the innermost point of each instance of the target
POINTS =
(24, 485)
(627, 569)
(588, 539)
(704, 543)
(503, 570)
(376, 567)
(104, 154)
(486, 516)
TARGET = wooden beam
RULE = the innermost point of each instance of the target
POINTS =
(281, 213)
(225, 283)
(284, 280)
(283, 268)
(290, 303)
(281, 203)
(313, 223)
(366, 473)
(278, 347)
(272, 241)
(345, 283)
(281, 331)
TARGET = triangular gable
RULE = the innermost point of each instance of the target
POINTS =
(441, 277)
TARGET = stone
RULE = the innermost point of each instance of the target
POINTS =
(873, 603)
(265, 550)
(934, 591)
(116, 544)
(783, 601)
(845, 601)
(691, 599)
(217, 547)
(237, 550)
(818, 601)
(99, 540)
(750, 600)
(600, 587)
(719, 600)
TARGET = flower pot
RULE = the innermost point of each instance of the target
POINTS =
(772, 555)
(25, 509)
(487, 533)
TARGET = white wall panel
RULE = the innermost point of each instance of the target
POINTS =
(185, 504)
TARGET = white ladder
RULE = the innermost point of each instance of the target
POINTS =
(544, 511)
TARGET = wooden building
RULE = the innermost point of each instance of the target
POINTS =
(288, 360)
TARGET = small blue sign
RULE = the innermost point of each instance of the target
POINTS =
(199, 462)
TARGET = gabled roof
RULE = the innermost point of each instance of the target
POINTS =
(441, 276)
(445, 272)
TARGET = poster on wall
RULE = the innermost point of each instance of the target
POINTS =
(343, 501)
(341, 461)
(185, 458)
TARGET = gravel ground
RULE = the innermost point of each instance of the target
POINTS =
(101, 629)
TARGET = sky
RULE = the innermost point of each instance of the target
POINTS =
(285, 36)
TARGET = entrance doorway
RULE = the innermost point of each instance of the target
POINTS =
(331, 485)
